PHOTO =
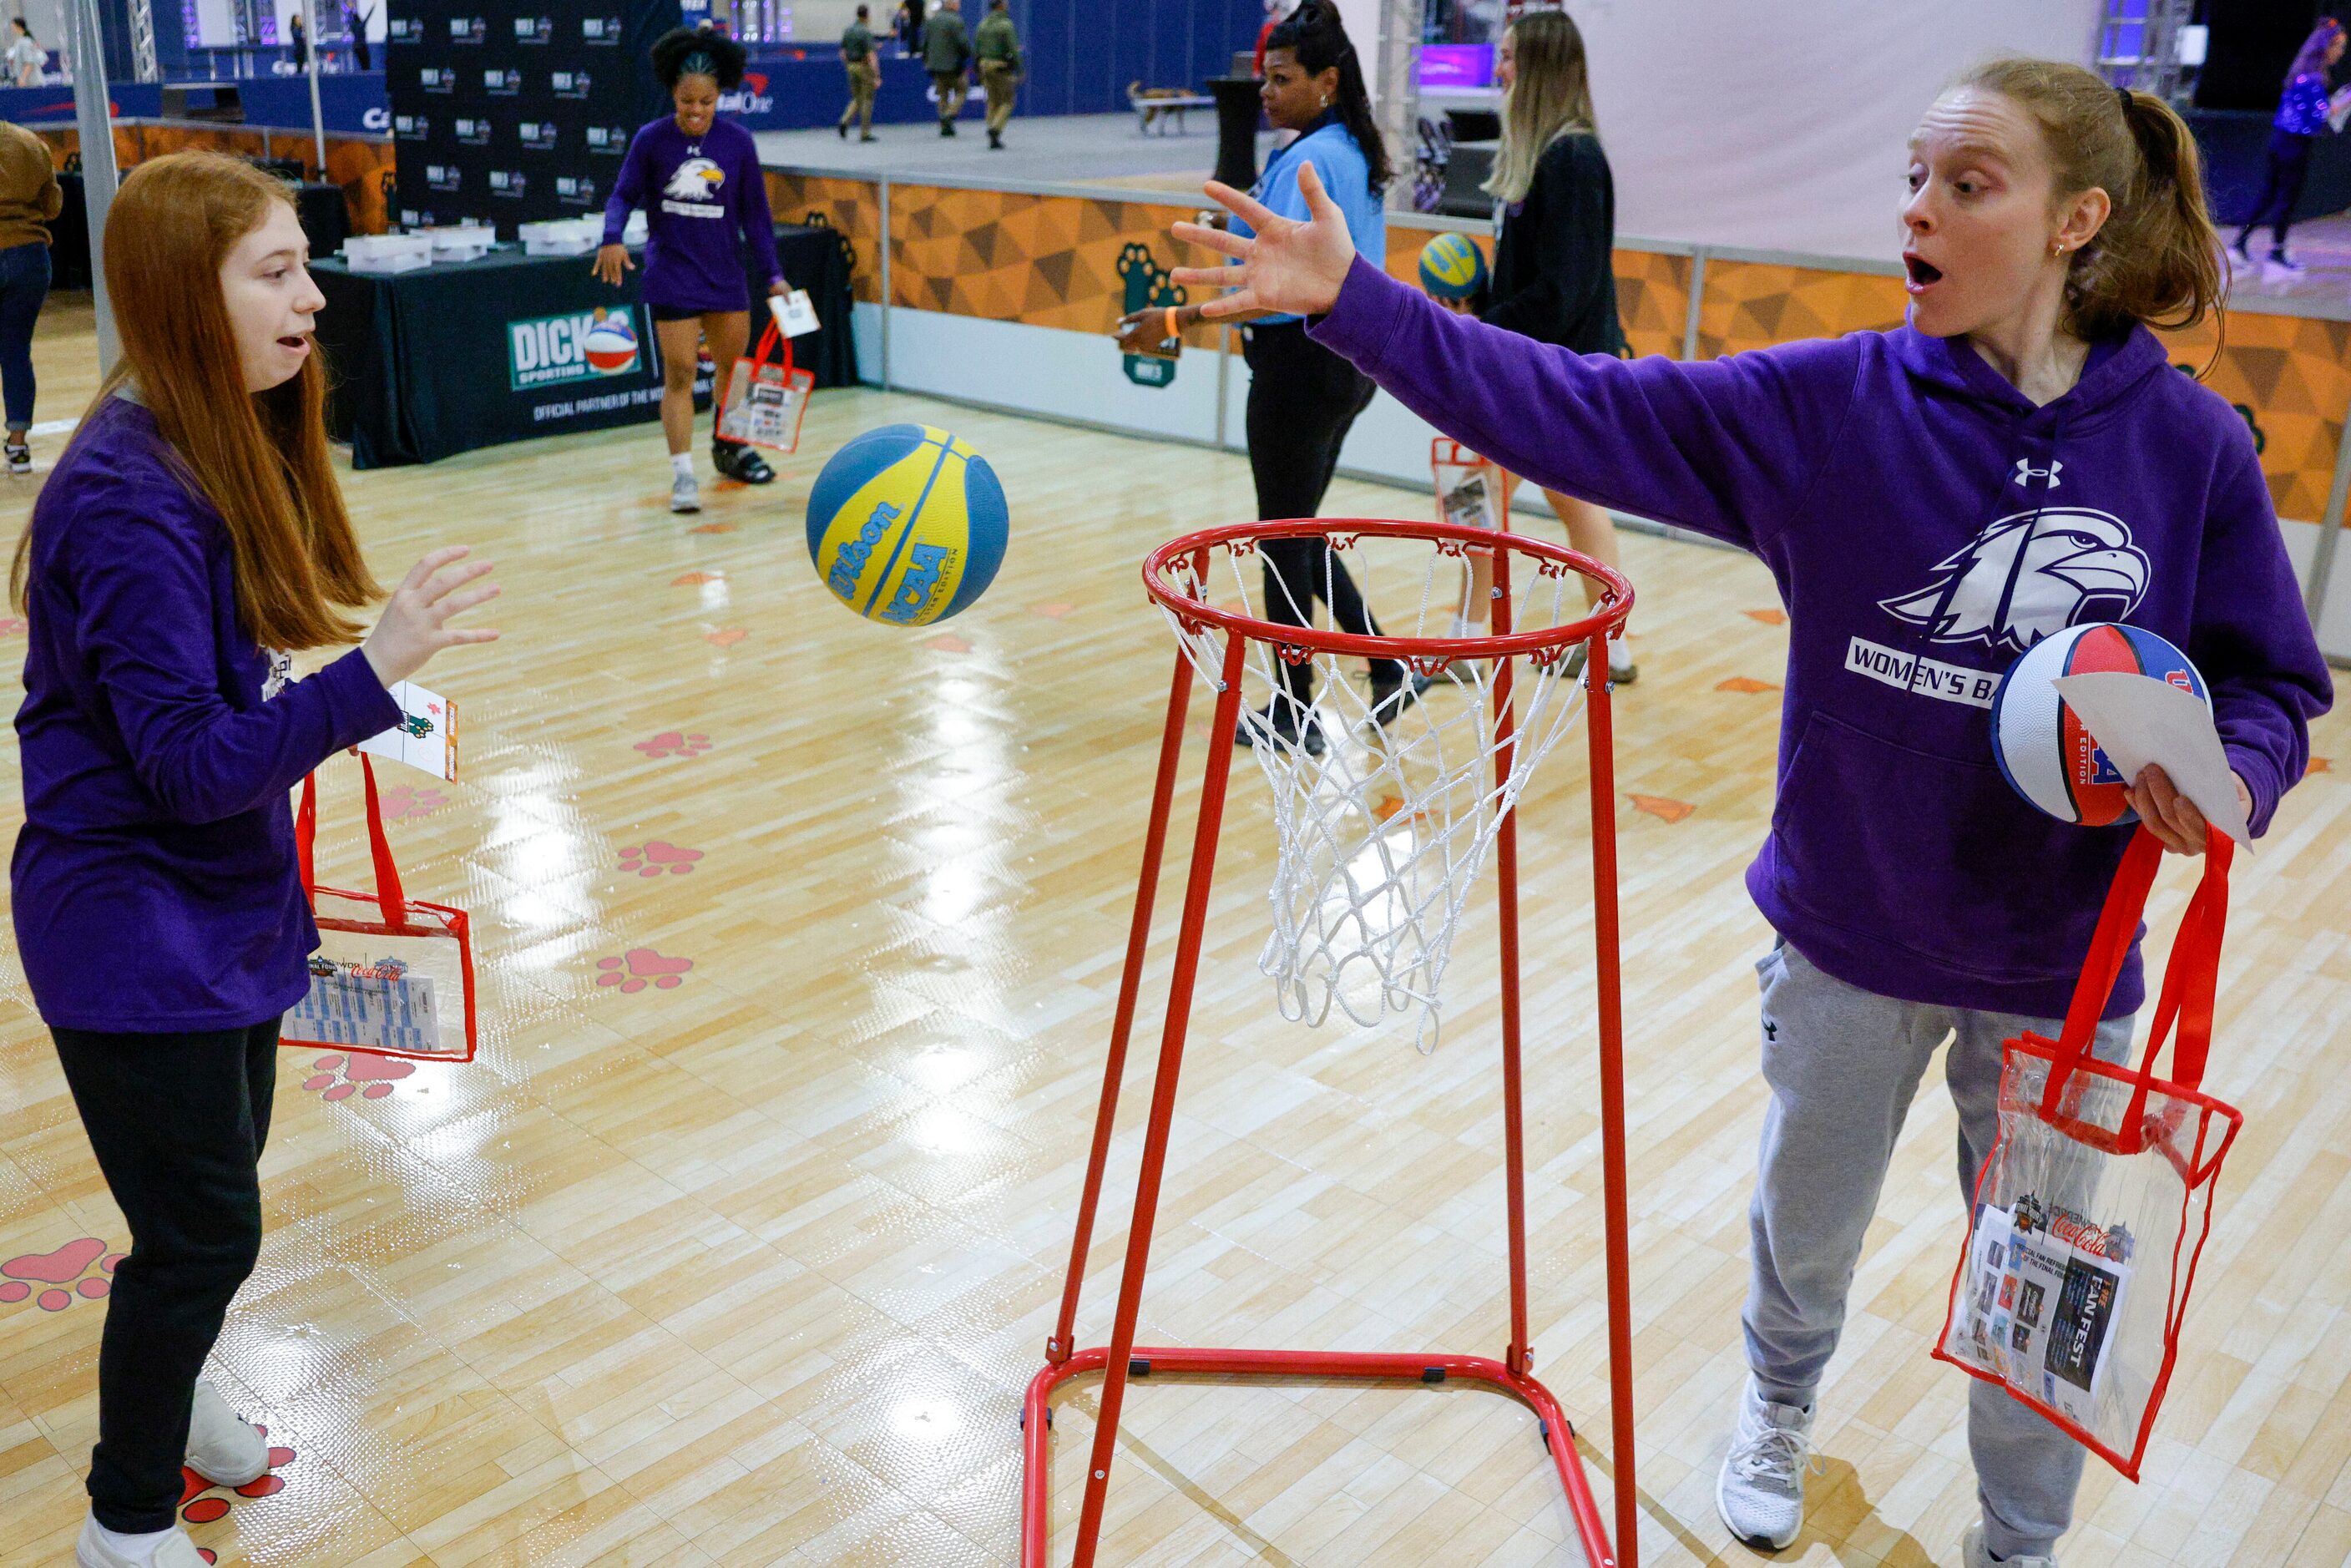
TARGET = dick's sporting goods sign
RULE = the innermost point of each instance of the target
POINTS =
(552, 351)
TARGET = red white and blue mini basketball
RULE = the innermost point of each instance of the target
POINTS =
(610, 345)
(2043, 751)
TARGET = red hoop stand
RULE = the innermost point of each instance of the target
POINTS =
(1122, 1359)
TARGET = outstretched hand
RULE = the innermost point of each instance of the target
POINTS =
(1287, 267)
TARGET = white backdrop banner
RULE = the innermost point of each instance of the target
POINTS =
(1782, 127)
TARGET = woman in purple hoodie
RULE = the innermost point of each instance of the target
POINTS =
(191, 538)
(697, 177)
(1932, 501)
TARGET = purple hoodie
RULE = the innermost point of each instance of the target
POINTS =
(154, 885)
(1926, 523)
(700, 195)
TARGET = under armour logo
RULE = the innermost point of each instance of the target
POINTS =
(2026, 472)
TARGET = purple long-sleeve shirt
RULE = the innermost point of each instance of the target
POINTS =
(1926, 523)
(154, 885)
(700, 195)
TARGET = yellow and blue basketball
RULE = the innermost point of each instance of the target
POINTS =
(1452, 267)
(907, 525)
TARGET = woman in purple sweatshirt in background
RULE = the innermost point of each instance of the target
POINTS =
(1932, 501)
(697, 177)
(190, 538)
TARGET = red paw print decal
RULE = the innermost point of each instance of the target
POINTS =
(639, 967)
(360, 1072)
(657, 856)
(670, 743)
(201, 1502)
(82, 1268)
(404, 803)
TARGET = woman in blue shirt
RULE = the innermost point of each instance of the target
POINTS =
(2304, 113)
(1302, 398)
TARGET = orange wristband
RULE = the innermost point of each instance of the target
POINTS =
(1173, 330)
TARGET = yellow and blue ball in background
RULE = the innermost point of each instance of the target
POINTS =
(907, 525)
(1452, 267)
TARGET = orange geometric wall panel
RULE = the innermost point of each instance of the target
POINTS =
(1754, 305)
(850, 207)
(1045, 261)
(2290, 377)
(1653, 300)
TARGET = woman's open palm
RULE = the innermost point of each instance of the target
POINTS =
(1287, 267)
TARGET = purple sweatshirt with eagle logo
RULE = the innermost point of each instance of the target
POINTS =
(703, 195)
(1926, 523)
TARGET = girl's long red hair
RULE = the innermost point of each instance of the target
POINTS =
(260, 458)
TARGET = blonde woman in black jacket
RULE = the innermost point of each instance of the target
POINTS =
(1554, 227)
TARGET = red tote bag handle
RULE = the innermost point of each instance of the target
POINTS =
(768, 341)
(2190, 981)
(388, 894)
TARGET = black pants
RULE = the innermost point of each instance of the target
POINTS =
(2289, 166)
(1302, 401)
(177, 1122)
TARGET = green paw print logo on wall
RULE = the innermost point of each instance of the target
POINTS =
(1147, 288)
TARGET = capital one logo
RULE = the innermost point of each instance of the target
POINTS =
(751, 98)
(378, 119)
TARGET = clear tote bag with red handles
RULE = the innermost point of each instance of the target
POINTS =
(768, 397)
(2091, 1210)
(392, 975)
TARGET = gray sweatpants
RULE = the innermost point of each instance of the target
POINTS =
(1843, 1065)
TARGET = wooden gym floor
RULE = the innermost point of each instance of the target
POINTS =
(798, 943)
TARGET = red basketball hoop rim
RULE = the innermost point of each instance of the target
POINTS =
(1450, 539)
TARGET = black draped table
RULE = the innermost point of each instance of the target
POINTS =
(462, 355)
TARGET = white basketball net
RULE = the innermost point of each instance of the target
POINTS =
(1381, 836)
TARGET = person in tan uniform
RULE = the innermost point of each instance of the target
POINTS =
(999, 49)
(857, 55)
(29, 200)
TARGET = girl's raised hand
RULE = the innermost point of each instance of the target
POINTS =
(414, 625)
(1288, 267)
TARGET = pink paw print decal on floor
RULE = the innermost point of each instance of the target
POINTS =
(360, 1072)
(404, 803)
(657, 856)
(201, 1502)
(82, 1268)
(670, 743)
(641, 966)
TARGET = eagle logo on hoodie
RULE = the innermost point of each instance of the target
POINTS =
(2027, 576)
(697, 179)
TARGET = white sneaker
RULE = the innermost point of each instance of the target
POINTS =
(684, 495)
(1976, 1555)
(223, 1445)
(1761, 1493)
(2281, 264)
(174, 1551)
